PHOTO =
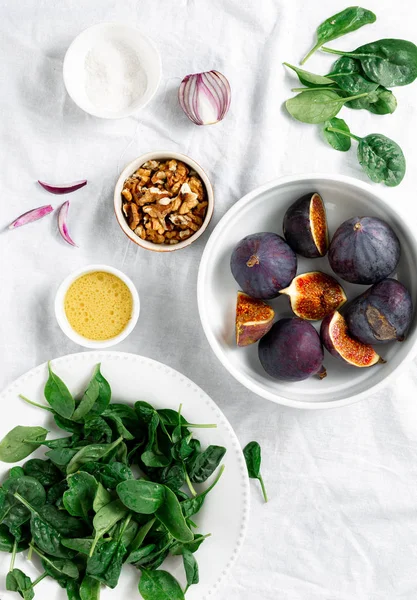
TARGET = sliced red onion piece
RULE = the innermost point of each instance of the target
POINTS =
(62, 223)
(65, 188)
(31, 215)
(205, 97)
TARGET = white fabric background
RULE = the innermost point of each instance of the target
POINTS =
(342, 520)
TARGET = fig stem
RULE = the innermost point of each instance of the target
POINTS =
(254, 260)
(322, 373)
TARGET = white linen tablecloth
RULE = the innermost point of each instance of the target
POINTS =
(342, 518)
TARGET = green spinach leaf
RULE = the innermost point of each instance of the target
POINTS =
(317, 106)
(382, 159)
(107, 516)
(348, 20)
(252, 454)
(310, 79)
(90, 589)
(101, 498)
(159, 585)
(206, 463)
(43, 470)
(170, 515)
(20, 442)
(190, 567)
(17, 581)
(58, 395)
(337, 140)
(141, 496)
(79, 498)
(93, 452)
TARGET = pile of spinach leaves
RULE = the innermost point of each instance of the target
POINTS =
(110, 493)
(359, 80)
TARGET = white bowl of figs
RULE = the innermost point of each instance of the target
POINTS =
(306, 291)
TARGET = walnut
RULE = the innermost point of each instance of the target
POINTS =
(127, 194)
(132, 214)
(159, 177)
(196, 186)
(140, 231)
(143, 175)
(189, 199)
(151, 164)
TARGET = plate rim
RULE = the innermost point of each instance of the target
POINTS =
(101, 355)
(202, 271)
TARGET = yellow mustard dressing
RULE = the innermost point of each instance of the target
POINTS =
(98, 305)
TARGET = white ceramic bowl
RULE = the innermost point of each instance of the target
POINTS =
(74, 71)
(131, 168)
(64, 324)
(263, 210)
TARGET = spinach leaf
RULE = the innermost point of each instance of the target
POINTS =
(310, 79)
(126, 413)
(141, 535)
(104, 393)
(389, 62)
(317, 106)
(16, 472)
(59, 568)
(114, 473)
(101, 498)
(7, 539)
(349, 76)
(252, 454)
(73, 590)
(191, 506)
(87, 401)
(140, 553)
(82, 545)
(177, 549)
(159, 585)
(173, 477)
(170, 515)
(90, 589)
(61, 457)
(68, 425)
(380, 102)
(206, 463)
(154, 459)
(20, 442)
(348, 20)
(129, 533)
(55, 493)
(106, 563)
(382, 159)
(97, 430)
(14, 514)
(107, 516)
(79, 498)
(58, 395)
(17, 581)
(152, 560)
(118, 427)
(43, 470)
(141, 496)
(93, 452)
(337, 140)
(190, 567)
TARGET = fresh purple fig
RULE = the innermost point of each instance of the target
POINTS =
(253, 319)
(292, 351)
(336, 339)
(305, 226)
(364, 250)
(263, 264)
(382, 314)
(314, 295)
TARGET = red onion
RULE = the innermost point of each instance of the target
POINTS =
(31, 215)
(62, 223)
(64, 188)
(205, 97)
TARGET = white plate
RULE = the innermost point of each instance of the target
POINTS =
(132, 378)
(263, 210)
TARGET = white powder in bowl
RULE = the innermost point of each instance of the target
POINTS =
(114, 77)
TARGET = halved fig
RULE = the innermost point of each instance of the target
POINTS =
(336, 339)
(253, 319)
(314, 295)
(305, 226)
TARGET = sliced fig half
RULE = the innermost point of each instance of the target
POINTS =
(336, 339)
(314, 295)
(253, 319)
(305, 226)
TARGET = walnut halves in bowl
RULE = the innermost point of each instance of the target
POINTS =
(164, 201)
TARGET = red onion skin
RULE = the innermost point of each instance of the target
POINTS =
(62, 224)
(31, 215)
(214, 86)
(64, 188)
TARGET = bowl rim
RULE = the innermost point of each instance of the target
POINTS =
(137, 105)
(202, 271)
(131, 168)
(63, 320)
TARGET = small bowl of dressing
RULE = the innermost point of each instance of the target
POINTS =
(97, 306)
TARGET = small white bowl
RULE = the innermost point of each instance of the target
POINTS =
(131, 168)
(74, 71)
(64, 324)
(263, 209)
